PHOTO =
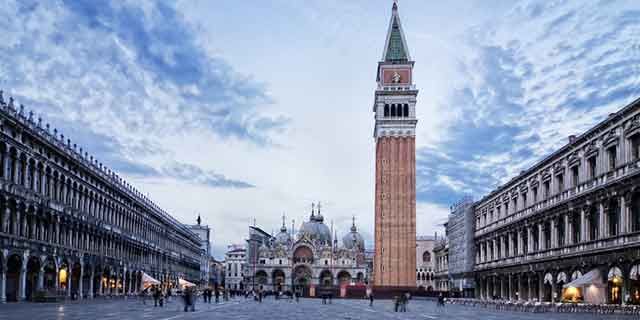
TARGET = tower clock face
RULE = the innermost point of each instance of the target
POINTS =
(396, 76)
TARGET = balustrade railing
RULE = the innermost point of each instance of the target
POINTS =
(627, 169)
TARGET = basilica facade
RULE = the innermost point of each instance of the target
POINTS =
(310, 261)
(71, 227)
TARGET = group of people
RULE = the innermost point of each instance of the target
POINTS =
(189, 296)
(401, 302)
(159, 295)
(208, 293)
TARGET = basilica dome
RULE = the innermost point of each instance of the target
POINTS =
(283, 237)
(315, 229)
(353, 239)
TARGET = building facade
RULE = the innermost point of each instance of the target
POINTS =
(235, 263)
(310, 261)
(441, 276)
(216, 272)
(70, 226)
(204, 235)
(425, 270)
(395, 190)
(459, 231)
(574, 213)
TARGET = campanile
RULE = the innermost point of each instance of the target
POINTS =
(394, 133)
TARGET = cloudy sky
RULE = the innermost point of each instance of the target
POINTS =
(242, 110)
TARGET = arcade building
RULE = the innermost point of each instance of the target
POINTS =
(568, 228)
(72, 228)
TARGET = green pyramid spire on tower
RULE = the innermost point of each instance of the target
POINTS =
(396, 48)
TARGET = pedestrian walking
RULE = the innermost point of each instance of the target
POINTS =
(217, 293)
(143, 295)
(403, 303)
(407, 297)
(371, 299)
(156, 296)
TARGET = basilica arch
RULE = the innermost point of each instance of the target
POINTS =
(344, 277)
(303, 254)
(302, 277)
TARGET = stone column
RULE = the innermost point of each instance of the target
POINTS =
(91, 280)
(5, 223)
(69, 282)
(118, 278)
(554, 233)
(519, 241)
(510, 295)
(553, 289)
(541, 237)
(540, 286)
(583, 225)
(520, 292)
(494, 246)
(3, 284)
(41, 277)
(529, 291)
(57, 277)
(23, 280)
(568, 229)
(124, 281)
(100, 286)
(623, 223)
(602, 230)
(80, 286)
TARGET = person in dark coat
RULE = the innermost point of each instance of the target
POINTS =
(156, 296)
(371, 299)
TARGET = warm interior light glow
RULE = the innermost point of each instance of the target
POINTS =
(571, 291)
(571, 294)
(62, 275)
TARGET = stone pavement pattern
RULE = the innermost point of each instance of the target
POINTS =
(240, 309)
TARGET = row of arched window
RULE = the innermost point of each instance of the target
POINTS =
(47, 176)
(425, 276)
(396, 110)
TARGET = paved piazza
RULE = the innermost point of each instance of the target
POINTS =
(241, 309)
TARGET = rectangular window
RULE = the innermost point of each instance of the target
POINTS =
(506, 246)
(535, 194)
(611, 152)
(506, 208)
(592, 167)
(524, 200)
(635, 147)
(575, 177)
(560, 229)
(546, 189)
(560, 180)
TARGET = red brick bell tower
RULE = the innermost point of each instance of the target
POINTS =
(395, 195)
